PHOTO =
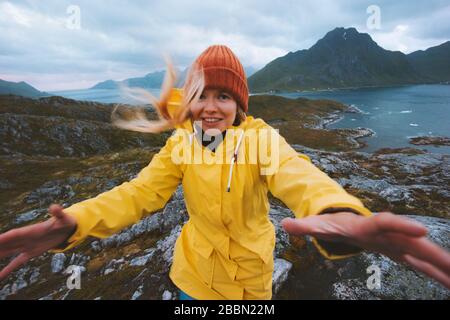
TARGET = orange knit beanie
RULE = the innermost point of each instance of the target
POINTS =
(223, 70)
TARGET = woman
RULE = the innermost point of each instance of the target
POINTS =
(225, 250)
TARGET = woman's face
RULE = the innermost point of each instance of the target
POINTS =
(216, 109)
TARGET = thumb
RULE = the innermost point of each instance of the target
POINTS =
(56, 211)
(297, 226)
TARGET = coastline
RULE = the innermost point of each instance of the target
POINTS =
(312, 90)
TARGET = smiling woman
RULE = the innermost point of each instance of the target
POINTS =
(225, 249)
(215, 109)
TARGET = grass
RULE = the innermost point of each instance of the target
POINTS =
(300, 121)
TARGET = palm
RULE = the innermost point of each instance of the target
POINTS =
(34, 240)
(396, 237)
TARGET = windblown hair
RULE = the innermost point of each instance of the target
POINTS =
(135, 119)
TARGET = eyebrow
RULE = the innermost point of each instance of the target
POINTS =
(221, 92)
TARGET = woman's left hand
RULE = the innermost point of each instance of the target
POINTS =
(397, 237)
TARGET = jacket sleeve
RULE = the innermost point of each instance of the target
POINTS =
(127, 203)
(307, 191)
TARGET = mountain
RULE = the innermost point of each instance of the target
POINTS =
(150, 80)
(346, 58)
(434, 63)
(20, 88)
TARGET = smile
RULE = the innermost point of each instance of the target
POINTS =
(211, 120)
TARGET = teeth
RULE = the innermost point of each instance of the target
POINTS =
(211, 119)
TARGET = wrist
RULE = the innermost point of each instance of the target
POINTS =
(347, 229)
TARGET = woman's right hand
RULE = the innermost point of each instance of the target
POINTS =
(31, 241)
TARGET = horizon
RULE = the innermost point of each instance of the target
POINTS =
(182, 68)
(82, 45)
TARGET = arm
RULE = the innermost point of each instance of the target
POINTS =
(126, 204)
(308, 191)
(327, 213)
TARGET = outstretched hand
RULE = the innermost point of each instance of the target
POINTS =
(31, 241)
(397, 237)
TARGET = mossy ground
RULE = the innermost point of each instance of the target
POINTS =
(300, 121)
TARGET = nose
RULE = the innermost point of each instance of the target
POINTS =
(210, 106)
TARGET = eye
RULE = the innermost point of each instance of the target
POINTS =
(224, 96)
(202, 96)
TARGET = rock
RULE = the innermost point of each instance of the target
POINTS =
(17, 285)
(167, 295)
(353, 109)
(167, 245)
(386, 190)
(352, 289)
(108, 271)
(47, 297)
(396, 282)
(114, 265)
(276, 214)
(142, 261)
(28, 216)
(79, 259)
(160, 222)
(4, 292)
(430, 140)
(58, 261)
(71, 129)
(20, 281)
(280, 274)
(413, 164)
(96, 246)
(50, 191)
(333, 164)
(137, 293)
(34, 276)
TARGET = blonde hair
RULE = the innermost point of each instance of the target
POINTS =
(135, 119)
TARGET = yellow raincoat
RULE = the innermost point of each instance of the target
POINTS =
(225, 250)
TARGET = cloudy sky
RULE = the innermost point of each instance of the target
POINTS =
(61, 45)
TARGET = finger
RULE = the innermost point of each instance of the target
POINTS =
(298, 227)
(422, 249)
(428, 269)
(389, 222)
(16, 237)
(20, 260)
(433, 254)
(16, 240)
(11, 239)
(56, 210)
(9, 252)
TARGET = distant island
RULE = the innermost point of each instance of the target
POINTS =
(20, 88)
(151, 80)
(430, 140)
(346, 58)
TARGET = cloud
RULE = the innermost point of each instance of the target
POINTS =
(120, 39)
(412, 33)
(402, 39)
